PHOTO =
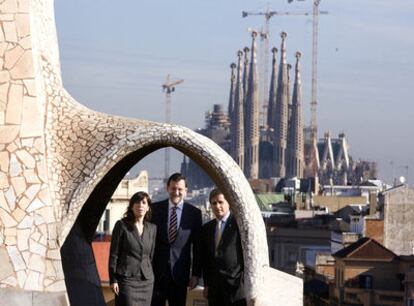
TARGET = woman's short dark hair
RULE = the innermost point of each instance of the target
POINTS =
(129, 216)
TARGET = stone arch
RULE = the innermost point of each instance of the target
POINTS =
(215, 161)
(55, 152)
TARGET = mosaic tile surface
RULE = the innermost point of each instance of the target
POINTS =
(54, 151)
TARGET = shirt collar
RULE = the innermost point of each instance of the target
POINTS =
(224, 219)
(179, 205)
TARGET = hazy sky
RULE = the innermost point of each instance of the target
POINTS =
(116, 54)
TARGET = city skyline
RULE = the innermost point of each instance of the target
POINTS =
(116, 61)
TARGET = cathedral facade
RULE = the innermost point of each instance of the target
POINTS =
(283, 147)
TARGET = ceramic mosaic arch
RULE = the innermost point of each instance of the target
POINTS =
(54, 152)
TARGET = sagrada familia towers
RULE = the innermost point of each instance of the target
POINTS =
(282, 147)
(284, 130)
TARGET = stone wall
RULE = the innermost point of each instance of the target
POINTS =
(399, 220)
(29, 249)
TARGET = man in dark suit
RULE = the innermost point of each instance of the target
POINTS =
(223, 265)
(177, 245)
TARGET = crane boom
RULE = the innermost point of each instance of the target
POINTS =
(168, 87)
(268, 14)
(315, 13)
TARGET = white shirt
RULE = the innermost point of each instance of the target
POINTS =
(179, 211)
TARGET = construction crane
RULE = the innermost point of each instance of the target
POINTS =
(314, 103)
(168, 87)
(268, 14)
(264, 69)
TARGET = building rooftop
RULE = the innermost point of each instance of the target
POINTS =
(265, 200)
(366, 249)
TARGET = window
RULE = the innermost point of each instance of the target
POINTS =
(106, 222)
(352, 296)
(400, 277)
(337, 277)
(365, 281)
(292, 257)
(391, 298)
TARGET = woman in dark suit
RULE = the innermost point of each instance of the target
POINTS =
(132, 247)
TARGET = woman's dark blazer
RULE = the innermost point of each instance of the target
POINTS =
(131, 254)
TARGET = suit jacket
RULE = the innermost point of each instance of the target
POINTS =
(131, 254)
(177, 257)
(223, 271)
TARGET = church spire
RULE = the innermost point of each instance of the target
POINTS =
(252, 117)
(295, 154)
(246, 70)
(271, 116)
(232, 91)
(184, 166)
(281, 122)
(237, 128)
(289, 68)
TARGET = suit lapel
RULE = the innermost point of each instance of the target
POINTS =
(164, 218)
(182, 221)
(212, 236)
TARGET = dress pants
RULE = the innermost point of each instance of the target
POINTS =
(166, 289)
(220, 301)
(218, 297)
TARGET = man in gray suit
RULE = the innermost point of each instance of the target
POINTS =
(177, 249)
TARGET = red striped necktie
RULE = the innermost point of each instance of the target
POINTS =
(172, 229)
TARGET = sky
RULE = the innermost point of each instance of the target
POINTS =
(115, 55)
